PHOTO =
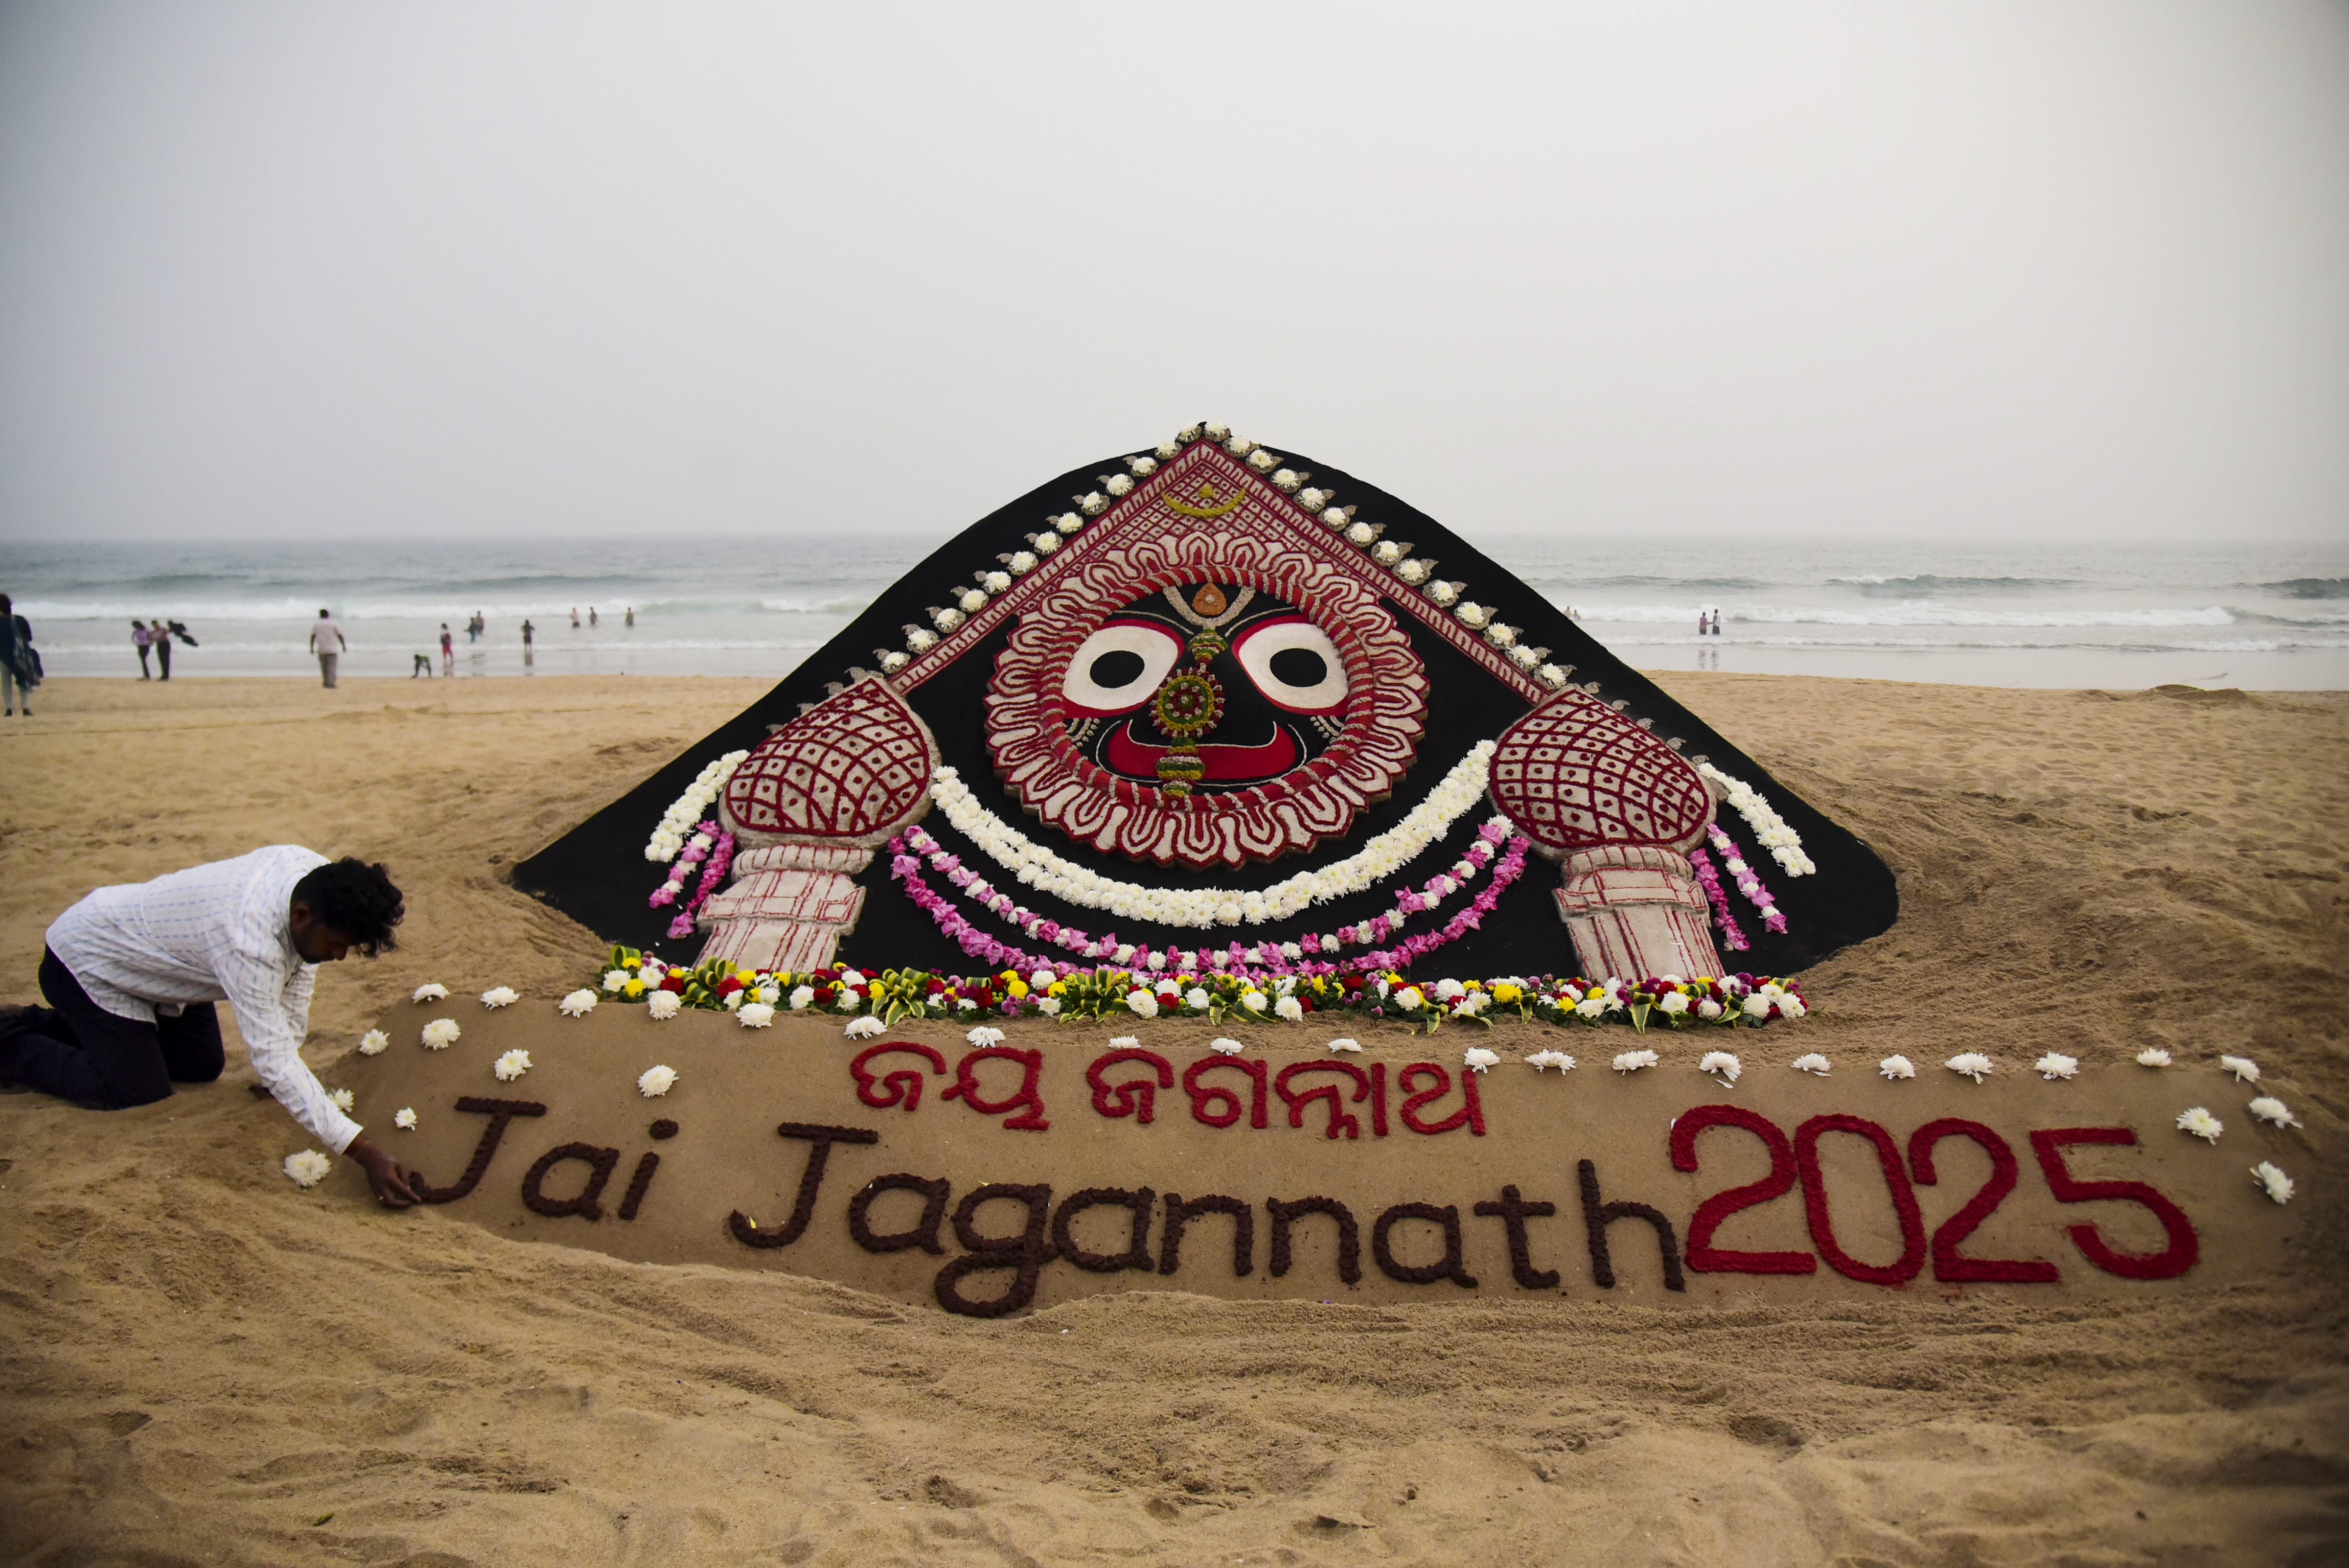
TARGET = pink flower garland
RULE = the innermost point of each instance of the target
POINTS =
(1259, 963)
(1709, 880)
(713, 873)
(1747, 882)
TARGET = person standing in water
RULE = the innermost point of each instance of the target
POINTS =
(575, 617)
(593, 618)
(631, 621)
(528, 658)
(448, 651)
(326, 642)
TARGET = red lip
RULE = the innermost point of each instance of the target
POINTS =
(1225, 765)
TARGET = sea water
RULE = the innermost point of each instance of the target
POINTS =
(2263, 616)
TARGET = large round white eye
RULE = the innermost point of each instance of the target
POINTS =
(1293, 663)
(1119, 667)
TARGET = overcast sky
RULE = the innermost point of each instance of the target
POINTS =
(359, 270)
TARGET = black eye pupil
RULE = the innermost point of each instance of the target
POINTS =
(1299, 667)
(1117, 668)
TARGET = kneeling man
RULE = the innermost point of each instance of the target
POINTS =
(132, 973)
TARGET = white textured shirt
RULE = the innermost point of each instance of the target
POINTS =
(211, 933)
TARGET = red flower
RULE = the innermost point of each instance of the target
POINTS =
(729, 986)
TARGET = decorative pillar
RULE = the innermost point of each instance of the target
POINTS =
(787, 907)
(1635, 911)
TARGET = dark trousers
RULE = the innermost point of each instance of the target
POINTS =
(163, 657)
(144, 673)
(81, 1052)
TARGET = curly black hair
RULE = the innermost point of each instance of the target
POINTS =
(355, 899)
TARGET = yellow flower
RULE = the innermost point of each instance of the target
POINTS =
(1505, 992)
(1595, 994)
(1058, 988)
(633, 989)
(631, 963)
(747, 976)
(1017, 987)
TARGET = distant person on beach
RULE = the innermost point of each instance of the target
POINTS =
(593, 619)
(140, 639)
(528, 658)
(160, 636)
(423, 666)
(20, 661)
(131, 973)
(326, 642)
(1716, 622)
(575, 617)
(448, 651)
(1700, 621)
(631, 621)
(473, 627)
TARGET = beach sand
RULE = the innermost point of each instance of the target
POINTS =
(202, 1364)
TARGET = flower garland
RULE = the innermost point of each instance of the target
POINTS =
(713, 874)
(677, 822)
(1270, 960)
(1709, 880)
(1038, 866)
(1117, 995)
(1770, 829)
(1747, 882)
(1408, 902)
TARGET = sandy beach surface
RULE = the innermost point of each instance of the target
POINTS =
(202, 1364)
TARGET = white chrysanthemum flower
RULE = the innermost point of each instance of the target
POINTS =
(441, 1034)
(432, 990)
(343, 1100)
(1043, 980)
(1476, 1059)
(1897, 1067)
(2246, 1071)
(862, 1028)
(755, 1014)
(1289, 1009)
(2269, 1109)
(733, 1000)
(2277, 1184)
(1049, 1006)
(1813, 1063)
(1672, 1003)
(966, 1005)
(404, 1118)
(1541, 1061)
(1253, 1000)
(1632, 1061)
(578, 1004)
(655, 1082)
(2153, 1056)
(1758, 1005)
(308, 1167)
(2055, 1065)
(1123, 1041)
(500, 996)
(1142, 1004)
(1448, 990)
(2201, 1124)
(1722, 1063)
(1343, 1043)
(1409, 999)
(1972, 1063)
(983, 1036)
(374, 1043)
(616, 980)
(511, 1065)
(801, 996)
(663, 1005)
(1707, 1009)
(1196, 998)
(769, 994)
(1226, 1047)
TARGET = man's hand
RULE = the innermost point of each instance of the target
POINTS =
(384, 1174)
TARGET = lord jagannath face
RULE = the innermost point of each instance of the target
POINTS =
(1205, 687)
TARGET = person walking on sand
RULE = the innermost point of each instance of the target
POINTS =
(131, 972)
(448, 651)
(141, 640)
(20, 661)
(326, 642)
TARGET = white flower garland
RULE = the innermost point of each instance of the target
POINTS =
(1037, 867)
(1770, 829)
(677, 822)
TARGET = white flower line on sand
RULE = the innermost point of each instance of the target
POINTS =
(1037, 867)
(677, 822)
(307, 1168)
(1770, 829)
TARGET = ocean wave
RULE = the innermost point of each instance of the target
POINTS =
(2279, 617)
(2308, 587)
(1931, 583)
(1965, 645)
(503, 648)
(1909, 613)
(847, 606)
(506, 614)
(1557, 585)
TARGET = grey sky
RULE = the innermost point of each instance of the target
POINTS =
(365, 269)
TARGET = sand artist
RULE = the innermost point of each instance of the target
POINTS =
(131, 973)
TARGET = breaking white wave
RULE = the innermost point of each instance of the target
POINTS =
(1907, 612)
